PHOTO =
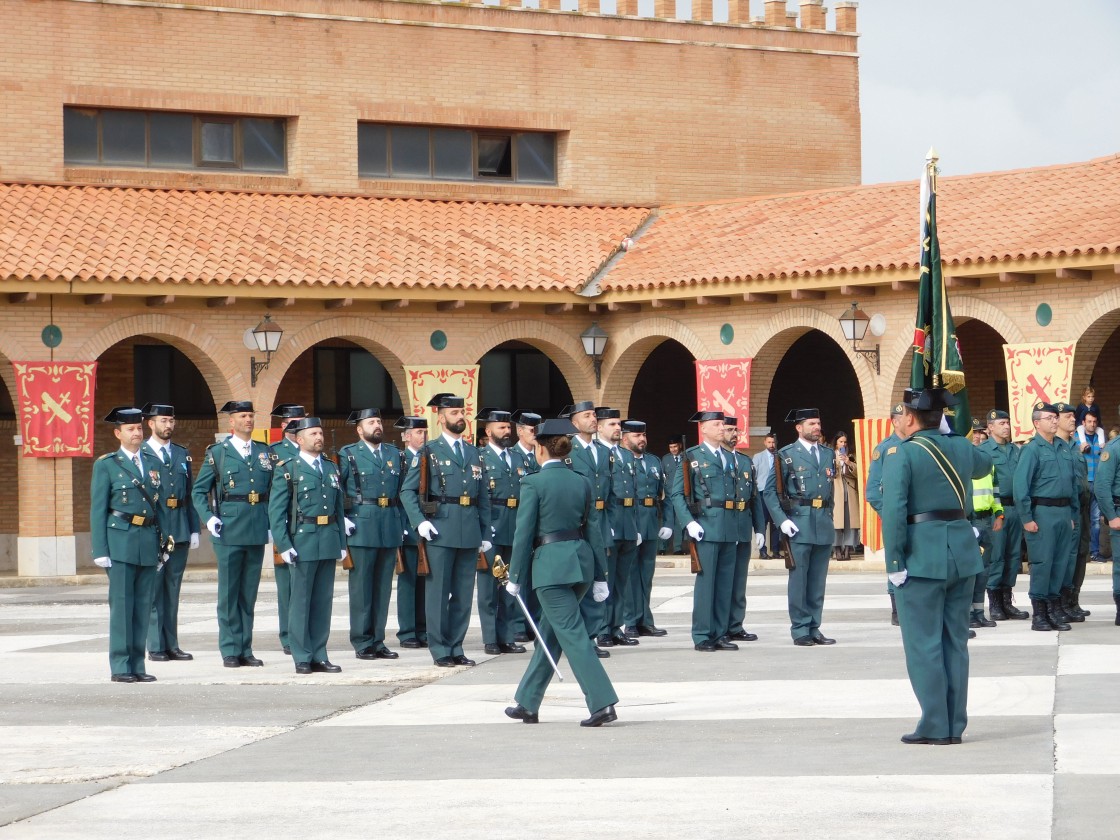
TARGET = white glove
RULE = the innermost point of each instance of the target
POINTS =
(289, 556)
(612, 533)
(759, 541)
(639, 540)
(405, 534)
(513, 588)
(694, 530)
(103, 562)
(343, 557)
(351, 528)
(269, 540)
(486, 546)
(898, 578)
(427, 530)
(788, 528)
(600, 591)
(214, 526)
(665, 534)
(975, 532)
(194, 542)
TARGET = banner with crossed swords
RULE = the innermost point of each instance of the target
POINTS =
(1040, 372)
(56, 408)
(725, 385)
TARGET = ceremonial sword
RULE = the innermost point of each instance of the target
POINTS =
(501, 572)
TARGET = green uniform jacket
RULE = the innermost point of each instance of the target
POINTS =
(1005, 458)
(315, 496)
(231, 475)
(1045, 470)
(598, 473)
(751, 519)
(1080, 467)
(623, 518)
(372, 494)
(459, 526)
(873, 489)
(503, 485)
(1106, 482)
(407, 531)
(182, 520)
(556, 499)
(712, 488)
(913, 483)
(529, 459)
(115, 486)
(803, 478)
(654, 509)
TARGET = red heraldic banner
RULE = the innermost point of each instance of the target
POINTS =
(56, 408)
(1041, 372)
(425, 381)
(725, 385)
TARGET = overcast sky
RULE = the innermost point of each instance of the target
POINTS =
(992, 84)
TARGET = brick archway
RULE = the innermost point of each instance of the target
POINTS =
(563, 348)
(627, 352)
(1098, 320)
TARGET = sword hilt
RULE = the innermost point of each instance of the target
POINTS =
(500, 569)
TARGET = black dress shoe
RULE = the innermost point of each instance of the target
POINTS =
(365, 653)
(602, 654)
(179, 655)
(956, 739)
(462, 660)
(604, 715)
(287, 650)
(804, 641)
(492, 650)
(651, 630)
(630, 632)
(820, 638)
(522, 714)
(723, 644)
(743, 636)
(250, 661)
(423, 643)
(158, 656)
(130, 678)
(511, 648)
(624, 640)
(972, 634)
(604, 641)
(303, 667)
(231, 661)
(915, 738)
(446, 662)
(384, 653)
(145, 677)
(706, 647)
(411, 643)
(523, 637)
(325, 667)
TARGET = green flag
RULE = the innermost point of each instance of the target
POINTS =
(937, 354)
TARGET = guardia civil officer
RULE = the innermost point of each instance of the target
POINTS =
(1007, 542)
(180, 523)
(874, 484)
(372, 472)
(1106, 487)
(504, 470)
(1079, 543)
(230, 495)
(807, 475)
(454, 520)
(126, 532)
(655, 518)
(1046, 497)
(555, 536)
(750, 522)
(525, 425)
(283, 451)
(622, 519)
(412, 628)
(670, 463)
(932, 559)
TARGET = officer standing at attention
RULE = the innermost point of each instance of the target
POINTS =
(283, 451)
(372, 472)
(230, 495)
(1007, 541)
(622, 519)
(874, 485)
(412, 630)
(525, 425)
(1106, 487)
(1079, 544)
(554, 535)
(709, 511)
(807, 474)
(655, 517)
(454, 520)
(180, 523)
(1046, 496)
(932, 560)
(670, 463)
(306, 514)
(125, 523)
(504, 470)
(750, 522)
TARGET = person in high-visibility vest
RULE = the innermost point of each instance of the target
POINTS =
(987, 516)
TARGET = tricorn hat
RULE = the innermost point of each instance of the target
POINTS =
(158, 410)
(407, 422)
(798, 414)
(236, 407)
(447, 400)
(555, 428)
(363, 414)
(123, 414)
(301, 423)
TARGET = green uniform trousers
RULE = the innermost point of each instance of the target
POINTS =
(980, 582)
(739, 587)
(933, 615)
(620, 568)
(497, 609)
(130, 609)
(309, 619)
(447, 602)
(805, 591)
(1114, 542)
(1006, 550)
(283, 577)
(370, 585)
(711, 591)
(1049, 551)
(638, 612)
(562, 630)
(163, 629)
(410, 599)
(239, 577)
(1079, 547)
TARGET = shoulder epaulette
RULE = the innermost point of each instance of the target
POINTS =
(106, 455)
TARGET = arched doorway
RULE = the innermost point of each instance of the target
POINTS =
(814, 373)
(664, 394)
(1105, 379)
(515, 375)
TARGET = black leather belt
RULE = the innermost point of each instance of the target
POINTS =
(983, 514)
(462, 501)
(317, 520)
(379, 501)
(504, 501)
(251, 498)
(817, 503)
(1045, 502)
(936, 516)
(1006, 500)
(134, 519)
(560, 536)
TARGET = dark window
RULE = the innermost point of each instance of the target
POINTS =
(411, 152)
(495, 156)
(163, 374)
(518, 375)
(168, 140)
(349, 377)
(373, 150)
(536, 158)
(451, 154)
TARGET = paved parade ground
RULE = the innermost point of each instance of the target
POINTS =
(770, 741)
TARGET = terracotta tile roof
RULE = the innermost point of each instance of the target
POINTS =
(1041, 212)
(221, 238)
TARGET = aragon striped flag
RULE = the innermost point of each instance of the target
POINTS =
(937, 354)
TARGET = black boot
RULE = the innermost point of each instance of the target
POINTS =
(981, 619)
(1077, 603)
(1039, 621)
(894, 611)
(1072, 613)
(1116, 598)
(1009, 604)
(995, 605)
(1058, 619)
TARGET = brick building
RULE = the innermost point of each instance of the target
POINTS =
(425, 183)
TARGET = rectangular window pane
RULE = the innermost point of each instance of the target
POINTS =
(495, 375)
(151, 369)
(367, 380)
(217, 142)
(452, 154)
(536, 158)
(123, 141)
(171, 137)
(533, 375)
(262, 145)
(373, 150)
(326, 380)
(79, 135)
(495, 156)
(410, 155)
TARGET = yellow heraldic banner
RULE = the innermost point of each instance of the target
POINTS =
(1036, 372)
(425, 381)
(868, 435)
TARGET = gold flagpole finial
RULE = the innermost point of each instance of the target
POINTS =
(931, 156)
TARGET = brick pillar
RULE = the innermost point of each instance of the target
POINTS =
(46, 514)
(846, 16)
(812, 14)
(702, 10)
(550, 4)
(791, 20)
(775, 12)
(739, 11)
(628, 7)
(665, 9)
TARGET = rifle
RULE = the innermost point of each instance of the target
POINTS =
(483, 564)
(348, 563)
(783, 502)
(694, 509)
(399, 567)
(429, 509)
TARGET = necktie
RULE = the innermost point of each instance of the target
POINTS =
(458, 448)
(641, 464)
(136, 463)
(816, 454)
(377, 459)
(594, 453)
(505, 458)
(166, 458)
(318, 466)
(677, 458)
